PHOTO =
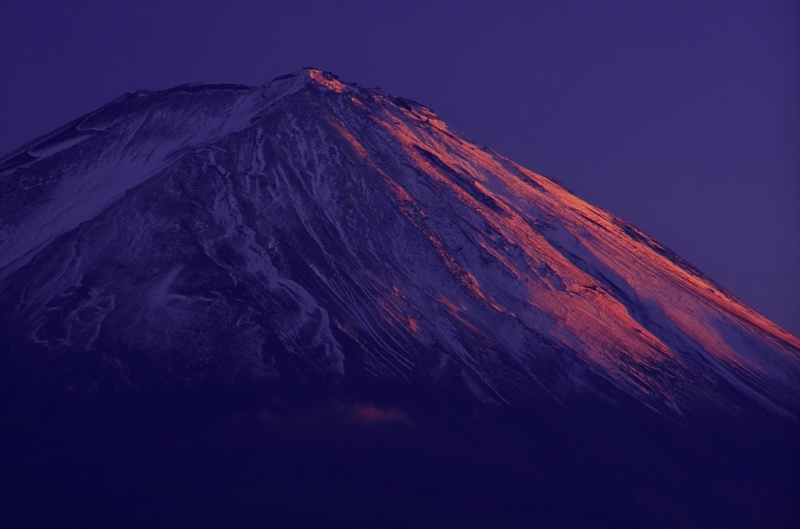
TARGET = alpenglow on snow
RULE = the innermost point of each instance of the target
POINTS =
(311, 229)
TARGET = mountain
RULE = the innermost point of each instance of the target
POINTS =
(311, 228)
(314, 234)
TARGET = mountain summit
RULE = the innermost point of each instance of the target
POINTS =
(313, 230)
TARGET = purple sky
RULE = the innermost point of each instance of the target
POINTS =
(682, 118)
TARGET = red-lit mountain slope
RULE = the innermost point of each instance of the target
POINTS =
(314, 229)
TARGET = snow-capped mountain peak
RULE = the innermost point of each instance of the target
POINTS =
(309, 228)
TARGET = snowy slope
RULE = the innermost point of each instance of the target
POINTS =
(313, 229)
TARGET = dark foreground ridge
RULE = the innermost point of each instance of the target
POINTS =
(297, 458)
(310, 304)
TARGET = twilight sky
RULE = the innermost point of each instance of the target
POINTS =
(682, 118)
